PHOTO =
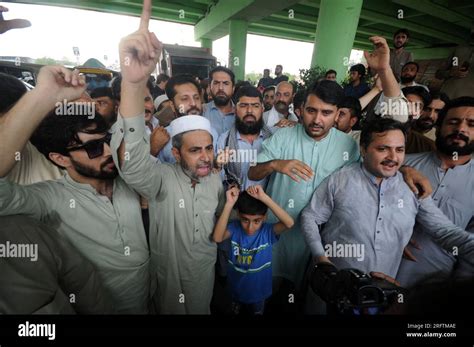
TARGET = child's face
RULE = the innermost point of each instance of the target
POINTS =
(251, 223)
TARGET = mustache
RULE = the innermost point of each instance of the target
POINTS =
(388, 162)
(194, 108)
(314, 125)
(107, 162)
(203, 164)
(250, 115)
(458, 135)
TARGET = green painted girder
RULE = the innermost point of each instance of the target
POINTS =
(437, 11)
(220, 13)
(386, 12)
(290, 27)
(127, 8)
(414, 27)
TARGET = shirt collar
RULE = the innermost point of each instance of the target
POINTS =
(213, 106)
(306, 136)
(373, 179)
(83, 186)
(239, 137)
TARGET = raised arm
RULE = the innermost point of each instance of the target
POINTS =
(220, 229)
(285, 220)
(379, 60)
(139, 53)
(55, 84)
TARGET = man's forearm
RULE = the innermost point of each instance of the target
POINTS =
(279, 212)
(389, 83)
(262, 170)
(132, 99)
(18, 124)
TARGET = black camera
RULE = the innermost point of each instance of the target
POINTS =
(350, 291)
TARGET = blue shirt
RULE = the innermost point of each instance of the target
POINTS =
(220, 122)
(250, 263)
(246, 156)
(368, 225)
(453, 193)
(324, 157)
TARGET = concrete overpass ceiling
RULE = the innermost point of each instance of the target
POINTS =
(297, 19)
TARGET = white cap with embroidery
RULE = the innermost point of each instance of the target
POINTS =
(189, 123)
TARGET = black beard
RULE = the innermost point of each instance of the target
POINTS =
(248, 129)
(406, 80)
(445, 148)
(419, 124)
(267, 107)
(88, 172)
(220, 100)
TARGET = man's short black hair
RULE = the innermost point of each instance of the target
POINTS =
(412, 63)
(11, 90)
(269, 88)
(247, 204)
(328, 91)
(102, 91)
(454, 103)
(116, 86)
(360, 68)
(247, 90)
(298, 99)
(47, 139)
(179, 80)
(379, 125)
(439, 95)
(222, 69)
(402, 31)
(420, 91)
(353, 104)
(162, 78)
(330, 72)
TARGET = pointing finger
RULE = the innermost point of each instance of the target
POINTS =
(146, 14)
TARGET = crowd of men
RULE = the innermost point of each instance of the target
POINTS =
(122, 204)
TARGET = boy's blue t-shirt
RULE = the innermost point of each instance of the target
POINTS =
(250, 263)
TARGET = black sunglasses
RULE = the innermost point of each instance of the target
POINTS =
(94, 148)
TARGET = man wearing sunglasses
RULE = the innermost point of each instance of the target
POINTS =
(91, 206)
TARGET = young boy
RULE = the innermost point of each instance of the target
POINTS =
(250, 263)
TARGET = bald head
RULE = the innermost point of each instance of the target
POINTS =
(284, 97)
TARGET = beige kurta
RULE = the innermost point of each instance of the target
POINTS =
(182, 219)
(33, 167)
(55, 280)
(110, 236)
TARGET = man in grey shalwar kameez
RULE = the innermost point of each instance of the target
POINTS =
(183, 198)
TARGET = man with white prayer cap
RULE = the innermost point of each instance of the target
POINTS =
(183, 198)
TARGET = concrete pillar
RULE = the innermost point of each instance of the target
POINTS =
(237, 47)
(335, 33)
(207, 43)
